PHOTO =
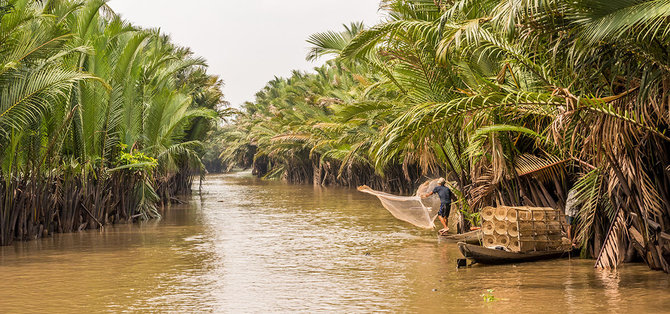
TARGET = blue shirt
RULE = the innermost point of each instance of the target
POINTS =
(444, 193)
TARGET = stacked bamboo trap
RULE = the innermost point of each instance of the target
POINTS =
(524, 229)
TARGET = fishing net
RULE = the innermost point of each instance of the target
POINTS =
(413, 209)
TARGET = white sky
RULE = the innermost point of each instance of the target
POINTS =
(247, 42)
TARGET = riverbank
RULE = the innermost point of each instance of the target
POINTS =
(36, 206)
(521, 104)
(247, 245)
(100, 119)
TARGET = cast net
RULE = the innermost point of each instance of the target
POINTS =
(413, 209)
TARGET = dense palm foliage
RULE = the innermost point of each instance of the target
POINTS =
(99, 119)
(304, 129)
(517, 101)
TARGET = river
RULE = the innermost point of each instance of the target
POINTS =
(247, 245)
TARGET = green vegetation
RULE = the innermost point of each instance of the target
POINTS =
(99, 120)
(488, 296)
(516, 101)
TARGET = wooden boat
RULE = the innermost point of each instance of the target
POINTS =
(471, 237)
(483, 255)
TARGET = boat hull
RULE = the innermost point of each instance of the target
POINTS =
(484, 255)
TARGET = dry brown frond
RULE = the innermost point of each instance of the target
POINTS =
(612, 251)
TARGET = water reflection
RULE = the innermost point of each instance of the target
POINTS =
(245, 245)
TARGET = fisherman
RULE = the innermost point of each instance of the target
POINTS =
(571, 211)
(445, 202)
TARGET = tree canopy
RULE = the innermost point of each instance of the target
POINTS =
(84, 91)
(517, 101)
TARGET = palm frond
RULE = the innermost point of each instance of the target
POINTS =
(611, 253)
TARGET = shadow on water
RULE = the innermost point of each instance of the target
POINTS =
(247, 245)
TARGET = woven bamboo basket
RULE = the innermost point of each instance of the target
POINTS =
(487, 213)
(538, 215)
(512, 215)
(488, 227)
(489, 241)
(502, 240)
(513, 229)
(523, 229)
(501, 213)
(500, 227)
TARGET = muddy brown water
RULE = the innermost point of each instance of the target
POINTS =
(246, 245)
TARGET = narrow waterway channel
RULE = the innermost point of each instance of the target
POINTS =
(246, 245)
